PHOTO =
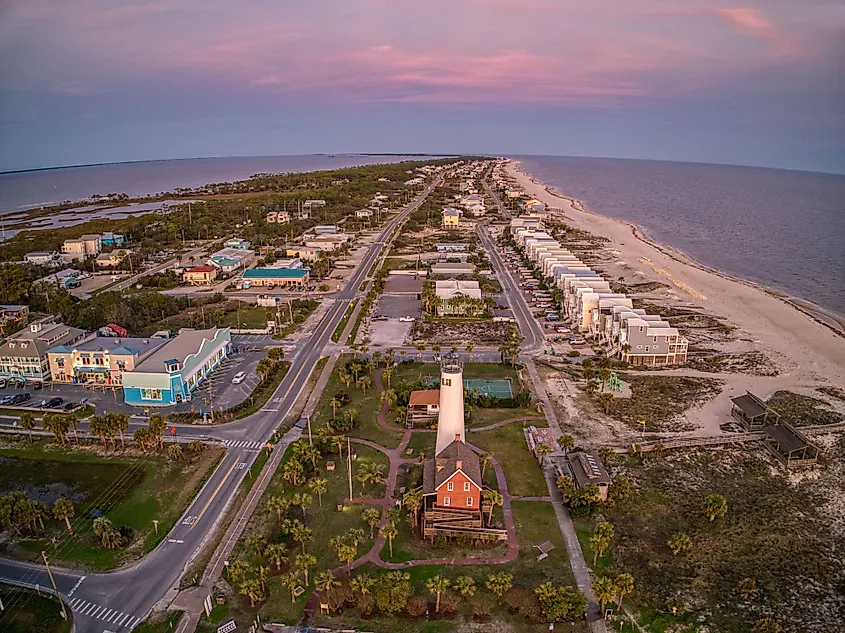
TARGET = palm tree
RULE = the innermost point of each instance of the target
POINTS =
(413, 502)
(362, 583)
(715, 506)
(174, 451)
(387, 374)
(389, 531)
(363, 383)
(370, 473)
(276, 553)
(599, 544)
(591, 387)
(499, 584)
(437, 585)
(679, 542)
(264, 367)
(607, 454)
(302, 535)
(604, 591)
(57, 424)
(335, 404)
(605, 529)
(604, 375)
(564, 483)
(354, 536)
(485, 459)
(303, 563)
(567, 443)
(371, 516)
(318, 487)
(543, 450)
(469, 349)
(349, 415)
(257, 544)
(464, 586)
(119, 422)
(27, 423)
(389, 396)
(606, 400)
(63, 509)
(251, 587)
(278, 504)
(157, 424)
(303, 500)
(492, 498)
(421, 347)
(624, 585)
(325, 581)
(346, 554)
(345, 377)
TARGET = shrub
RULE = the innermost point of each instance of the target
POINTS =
(366, 604)
(516, 598)
(574, 353)
(449, 603)
(417, 606)
(481, 607)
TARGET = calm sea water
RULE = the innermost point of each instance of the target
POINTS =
(24, 190)
(782, 229)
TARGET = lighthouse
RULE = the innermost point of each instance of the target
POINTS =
(450, 425)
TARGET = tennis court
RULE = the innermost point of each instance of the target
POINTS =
(496, 388)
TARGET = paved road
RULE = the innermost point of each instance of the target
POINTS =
(118, 600)
(170, 263)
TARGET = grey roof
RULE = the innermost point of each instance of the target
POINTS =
(749, 404)
(438, 470)
(178, 348)
(787, 439)
(450, 267)
(117, 345)
(587, 468)
(50, 335)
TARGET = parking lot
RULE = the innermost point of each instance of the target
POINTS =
(393, 332)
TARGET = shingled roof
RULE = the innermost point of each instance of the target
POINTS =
(438, 470)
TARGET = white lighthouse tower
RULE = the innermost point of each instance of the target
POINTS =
(450, 425)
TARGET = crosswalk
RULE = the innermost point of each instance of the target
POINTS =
(113, 617)
(244, 444)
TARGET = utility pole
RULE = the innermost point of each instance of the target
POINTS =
(53, 581)
(210, 398)
(349, 465)
(310, 441)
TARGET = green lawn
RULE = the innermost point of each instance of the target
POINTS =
(28, 612)
(522, 471)
(160, 623)
(325, 520)
(247, 316)
(130, 489)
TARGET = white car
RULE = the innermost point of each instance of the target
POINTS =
(239, 378)
(406, 319)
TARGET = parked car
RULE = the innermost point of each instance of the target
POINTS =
(239, 378)
(54, 403)
(563, 330)
(6, 400)
(70, 406)
(577, 341)
(19, 398)
(406, 319)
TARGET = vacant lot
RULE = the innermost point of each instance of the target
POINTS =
(29, 612)
(448, 333)
(785, 533)
(801, 410)
(129, 488)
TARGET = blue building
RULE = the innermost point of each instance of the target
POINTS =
(111, 239)
(177, 368)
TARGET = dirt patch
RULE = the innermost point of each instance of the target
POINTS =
(801, 410)
(833, 392)
(450, 333)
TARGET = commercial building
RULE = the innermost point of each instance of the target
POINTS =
(99, 361)
(273, 277)
(242, 245)
(43, 258)
(229, 259)
(309, 253)
(328, 242)
(23, 356)
(449, 268)
(175, 370)
(452, 247)
(202, 275)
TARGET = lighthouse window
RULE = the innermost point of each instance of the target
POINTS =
(446, 382)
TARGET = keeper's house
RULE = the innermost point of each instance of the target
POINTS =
(272, 277)
(170, 374)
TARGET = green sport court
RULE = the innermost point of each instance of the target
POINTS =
(495, 388)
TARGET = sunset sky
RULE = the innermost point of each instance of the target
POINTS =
(757, 82)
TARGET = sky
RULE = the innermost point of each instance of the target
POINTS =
(751, 82)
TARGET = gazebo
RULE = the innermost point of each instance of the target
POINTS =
(752, 412)
(790, 446)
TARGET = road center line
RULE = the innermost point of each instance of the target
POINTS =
(214, 494)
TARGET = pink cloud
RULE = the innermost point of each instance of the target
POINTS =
(749, 21)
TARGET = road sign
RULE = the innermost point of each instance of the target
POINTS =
(226, 628)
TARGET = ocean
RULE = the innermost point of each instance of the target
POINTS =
(20, 191)
(781, 229)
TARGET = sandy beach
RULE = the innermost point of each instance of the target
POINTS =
(805, 351)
